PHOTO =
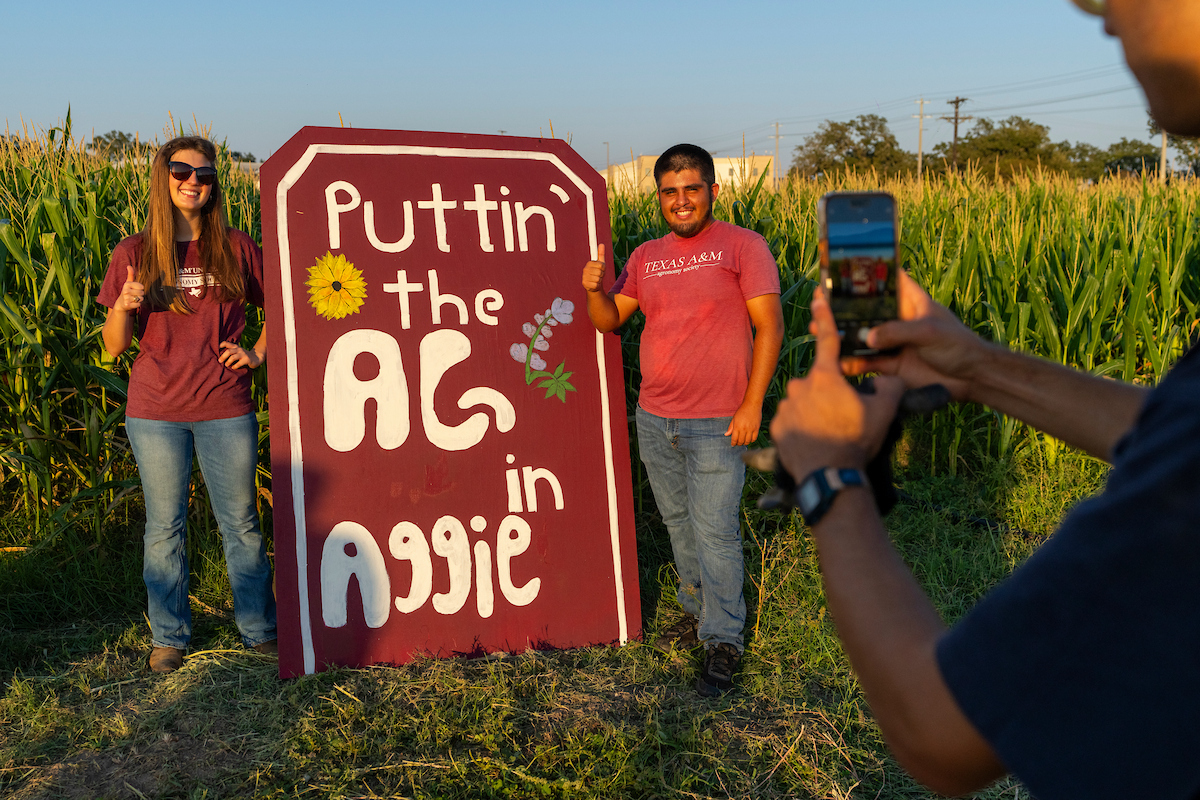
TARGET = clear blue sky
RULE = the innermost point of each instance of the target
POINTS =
(638, 75)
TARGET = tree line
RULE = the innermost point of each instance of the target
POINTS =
(117, 145)
(1009, 147)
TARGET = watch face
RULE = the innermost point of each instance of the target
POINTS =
(809, 496)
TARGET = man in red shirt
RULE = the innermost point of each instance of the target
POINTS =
(714, 324)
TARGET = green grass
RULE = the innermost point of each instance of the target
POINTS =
(81, 716)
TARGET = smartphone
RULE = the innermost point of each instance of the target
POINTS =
(860, 250)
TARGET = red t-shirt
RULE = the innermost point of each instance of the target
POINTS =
(176, 375)
(697, 346)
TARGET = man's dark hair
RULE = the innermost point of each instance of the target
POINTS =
(686, 156)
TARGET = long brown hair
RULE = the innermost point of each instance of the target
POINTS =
(159, 270)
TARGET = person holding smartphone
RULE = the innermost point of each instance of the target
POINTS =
(710, 294)
(181, 285)
(1078, 672)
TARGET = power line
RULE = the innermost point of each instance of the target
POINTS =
(956, 102)
(775, 161)
(1053, 80)
(920, 117)
(1114, 90)
(1091, 73)
(1074, 76)
(736, 139)
(900, 124)
(1101, 125)
(1093, 108)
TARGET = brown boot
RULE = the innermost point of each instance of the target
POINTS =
(682, 634)
(270, 648)
(166, 659)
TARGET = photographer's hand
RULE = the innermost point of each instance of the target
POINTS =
(823, 421)
(1083, 410)
(888, 626)
(935, 346)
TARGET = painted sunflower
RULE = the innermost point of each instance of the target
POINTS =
(336, 288)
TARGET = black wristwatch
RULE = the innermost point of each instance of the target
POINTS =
(816, 493)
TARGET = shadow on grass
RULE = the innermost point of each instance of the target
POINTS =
(79, 579)
(81, 716)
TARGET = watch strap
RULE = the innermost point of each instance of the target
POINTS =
(816, 493)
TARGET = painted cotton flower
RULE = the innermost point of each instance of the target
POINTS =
(558, 382)
(520, 352)
(336, 288)
(561, 311)
(540, 342)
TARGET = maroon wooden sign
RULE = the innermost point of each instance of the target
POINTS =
(449, 448)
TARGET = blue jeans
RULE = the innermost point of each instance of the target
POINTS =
(697, 479)
(228, 454)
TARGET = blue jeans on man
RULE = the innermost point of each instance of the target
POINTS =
(697, 479)
(228, 453)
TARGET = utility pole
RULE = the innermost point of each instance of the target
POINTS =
(775, 161)
(956, 102)
(1162, 160)
(920, 117)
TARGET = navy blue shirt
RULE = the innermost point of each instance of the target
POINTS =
(1083, 668)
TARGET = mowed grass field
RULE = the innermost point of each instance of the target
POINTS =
(1103, 277)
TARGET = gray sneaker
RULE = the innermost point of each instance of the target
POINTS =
(680, 635)
(720, 662)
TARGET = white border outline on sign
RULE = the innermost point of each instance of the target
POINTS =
(290, 178)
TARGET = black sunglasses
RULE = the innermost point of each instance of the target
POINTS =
(181, 172)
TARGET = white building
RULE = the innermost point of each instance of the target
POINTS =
(732, 173)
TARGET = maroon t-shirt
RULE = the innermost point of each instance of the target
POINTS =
(176, 375)
(697, 346)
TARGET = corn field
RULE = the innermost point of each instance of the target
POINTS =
(1103, 277)
(64, 459)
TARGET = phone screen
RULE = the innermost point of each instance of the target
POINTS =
(859, 230)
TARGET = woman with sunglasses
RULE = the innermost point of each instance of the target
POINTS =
(181, 285)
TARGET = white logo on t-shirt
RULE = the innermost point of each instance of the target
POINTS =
(192, 280)
(676, 266)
